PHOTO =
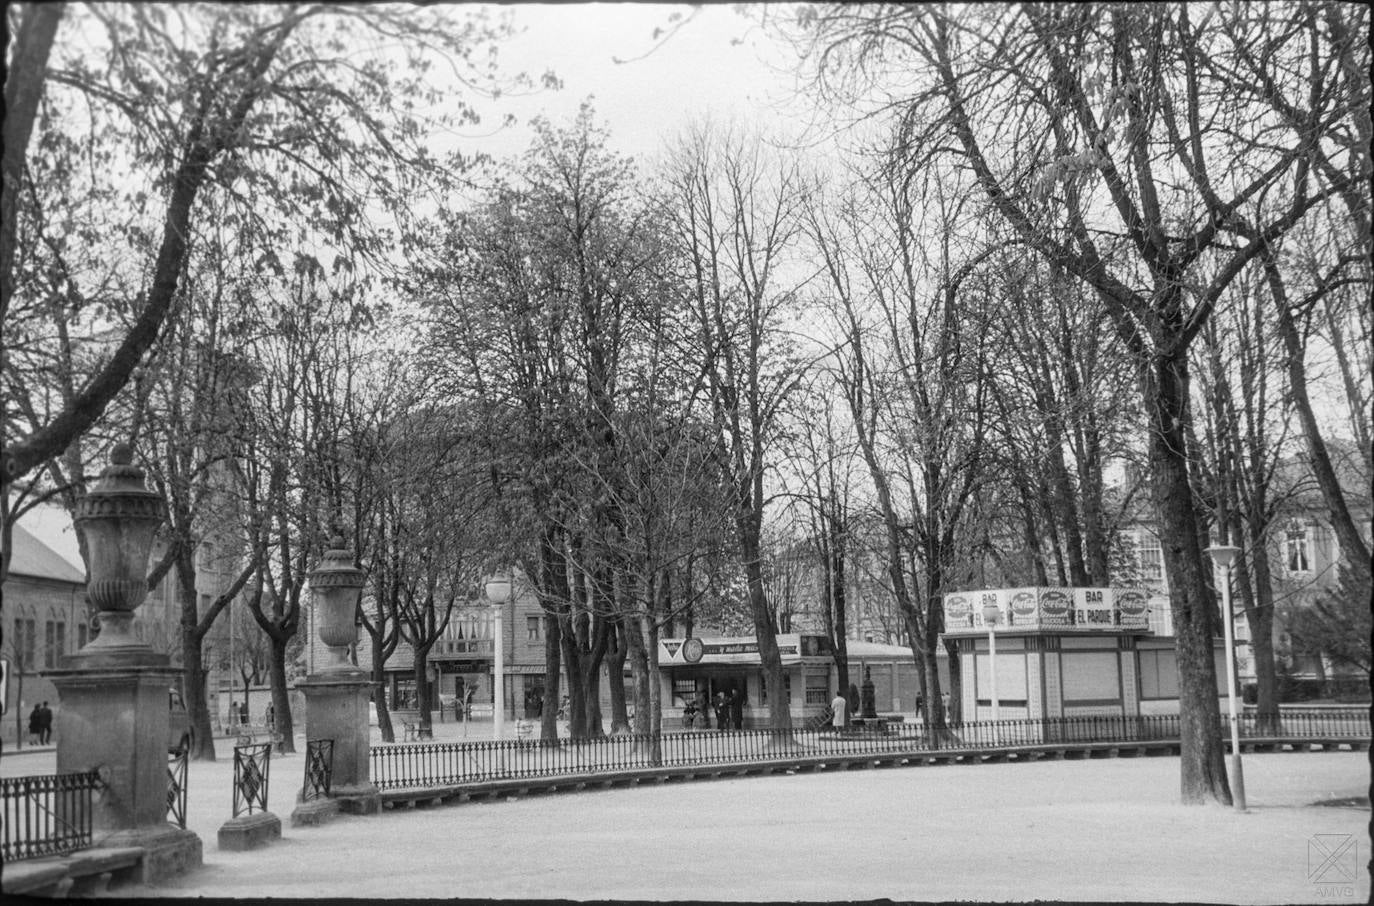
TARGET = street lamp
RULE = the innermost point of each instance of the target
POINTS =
(498, 592)
(1223, 555)
(991, 614)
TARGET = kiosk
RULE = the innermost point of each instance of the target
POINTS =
(1062, 652)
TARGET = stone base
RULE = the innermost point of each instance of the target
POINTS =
(249, 831)
(167, 851)
(363, 799)
(316, 811)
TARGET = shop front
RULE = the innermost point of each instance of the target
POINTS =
(1062, 652)
(696, 673)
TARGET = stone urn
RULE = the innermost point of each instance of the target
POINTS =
(120, 518)
(336, 583)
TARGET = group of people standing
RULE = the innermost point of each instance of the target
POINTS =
(729, 708)
(40, 724)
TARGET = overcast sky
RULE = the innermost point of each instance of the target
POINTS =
(720, 62)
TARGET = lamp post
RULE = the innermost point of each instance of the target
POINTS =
(1223, 555)
(498, 592)
(991, 614)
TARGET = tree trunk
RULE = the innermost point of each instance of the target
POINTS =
(1353, 548)
(23, 91)
(1259, 614)
(643, 677)
(615, 672)
(281, 700)
(1203, 774)
(203, 743)
(420, 671)
(649, 642)
(379, 688)
(779, 710)
(553, 646)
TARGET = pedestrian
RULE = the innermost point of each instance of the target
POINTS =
(737, 707)
(243, 712)
(35, 724)
(838, 707)
(703, 709)
(722, 708)
(271, 717)
(44, 724)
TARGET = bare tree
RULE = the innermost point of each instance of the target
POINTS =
(735, 212)
(1130, 125)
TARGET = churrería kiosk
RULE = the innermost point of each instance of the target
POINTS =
(1062, 652)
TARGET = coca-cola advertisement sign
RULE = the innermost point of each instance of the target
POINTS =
(958, 612)
(1056, 607)
(1132, 608)
(1025, 607)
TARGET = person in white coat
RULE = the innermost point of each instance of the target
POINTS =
(838, 707)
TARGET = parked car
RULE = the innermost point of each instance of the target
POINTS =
(180, 733)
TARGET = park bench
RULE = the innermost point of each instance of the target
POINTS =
(249, 733)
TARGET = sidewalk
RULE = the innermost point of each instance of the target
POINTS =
(1100, 830)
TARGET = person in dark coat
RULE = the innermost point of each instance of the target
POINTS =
(35, 723)
(737, 707)
(45, 724)
(722, 709)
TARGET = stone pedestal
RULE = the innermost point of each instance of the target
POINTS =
(336, 708)
(249, 831)
(113, 720)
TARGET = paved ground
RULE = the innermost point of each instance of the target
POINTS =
(1101, 830)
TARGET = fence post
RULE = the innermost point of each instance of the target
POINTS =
(252, 824)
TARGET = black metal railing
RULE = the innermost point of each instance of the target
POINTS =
(426, 765)
(252, 765)
(319, 768)
(176, 785)
(47, 814)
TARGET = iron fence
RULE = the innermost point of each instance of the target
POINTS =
(452, 764)
(47, 814)
(319, 769)
(176, 785)
(252, 766)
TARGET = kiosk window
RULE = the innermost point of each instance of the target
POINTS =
(1158, 674)
(1090, 677)
(818, 690)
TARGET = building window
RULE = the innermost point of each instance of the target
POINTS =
(25, 645)
(817, 689)
(54, 642)
(1298, 550)
(532, 628)
(1150, 556)
(82, 635)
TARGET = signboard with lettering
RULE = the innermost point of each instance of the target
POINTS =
(1023, 607)
(743, 650)
(959, 611)
(1056, 607)
(1069, 609)
(1092, 608)
(1132, 607)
